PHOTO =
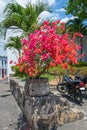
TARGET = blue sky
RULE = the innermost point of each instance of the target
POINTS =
(55, 5)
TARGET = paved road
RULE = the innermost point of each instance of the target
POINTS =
(11, 117)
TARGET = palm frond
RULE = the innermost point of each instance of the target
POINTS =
(14, 42)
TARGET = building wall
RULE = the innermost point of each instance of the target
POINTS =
(3, 59)
(12, 56)
(3, 66)
(85, 48)
(12, 53)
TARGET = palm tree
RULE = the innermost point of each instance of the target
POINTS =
(77, 25)
(22, 18)
(18, 17)
(14, 42)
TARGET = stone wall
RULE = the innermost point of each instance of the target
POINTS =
(46, 112)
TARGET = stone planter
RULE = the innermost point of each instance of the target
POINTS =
(37, 86)
(44, 110)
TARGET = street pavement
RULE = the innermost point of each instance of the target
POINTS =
(11, 117)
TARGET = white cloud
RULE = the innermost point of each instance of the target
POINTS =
(50, 2)
(53, 18)
(21, 2)
(47, 15)
(44, 16)
(1, 4)
(67, 19)
(62, 10)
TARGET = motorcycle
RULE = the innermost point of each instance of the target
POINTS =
(84, 80)
(72, 87)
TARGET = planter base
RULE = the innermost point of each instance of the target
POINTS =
(43, 112)
(37, 87)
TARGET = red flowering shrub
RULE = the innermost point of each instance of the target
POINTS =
(48, 47)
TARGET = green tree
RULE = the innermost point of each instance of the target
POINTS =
(18, 17)
(76, 25)
(14, 42)
(77, 8)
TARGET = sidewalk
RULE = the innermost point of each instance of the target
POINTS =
(11, 117)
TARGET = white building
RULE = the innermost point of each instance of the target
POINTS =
(3, 60)
(12, 53)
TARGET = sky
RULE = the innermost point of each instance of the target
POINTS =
(56, 6)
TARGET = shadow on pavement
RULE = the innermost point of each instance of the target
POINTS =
(8, 91)
(6, 95)
(71, 99)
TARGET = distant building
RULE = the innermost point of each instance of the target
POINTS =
(12, 54)
(3, 60)
(5, 57)
(3, 66)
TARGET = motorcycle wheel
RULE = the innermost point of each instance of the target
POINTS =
(77, 96)
(61, 88)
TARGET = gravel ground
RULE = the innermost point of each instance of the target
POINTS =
(11, 117)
